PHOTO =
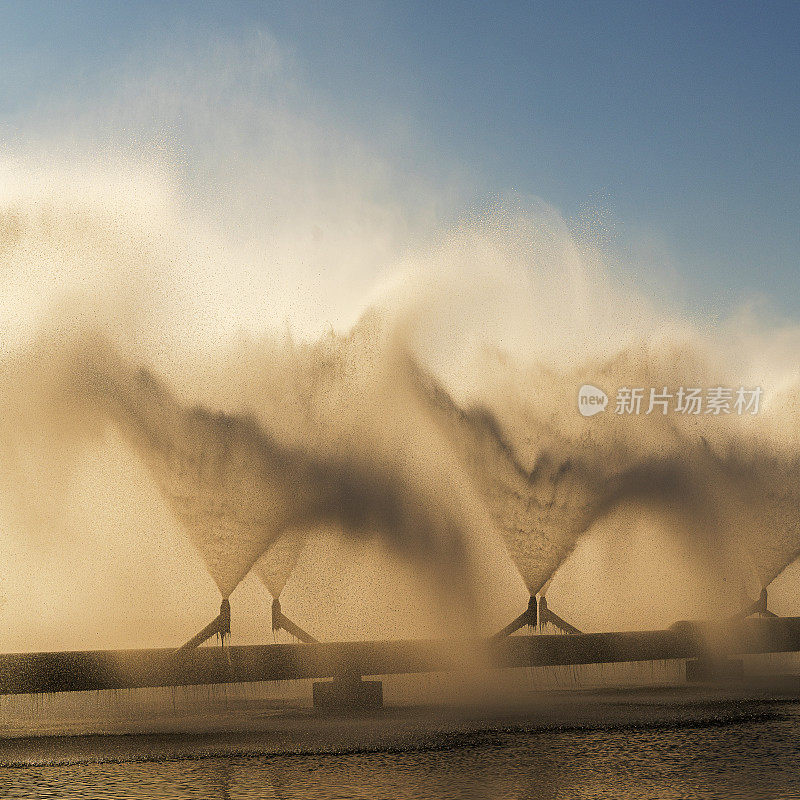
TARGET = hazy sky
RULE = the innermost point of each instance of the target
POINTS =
(680, 119)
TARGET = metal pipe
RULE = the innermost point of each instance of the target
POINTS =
(29, 673)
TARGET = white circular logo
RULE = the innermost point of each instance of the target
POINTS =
(591, 400)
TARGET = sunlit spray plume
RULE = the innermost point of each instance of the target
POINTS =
(231, 487)
(397, 428)
(236, 488)
(278, 562)
(540, 512)
(726, 485)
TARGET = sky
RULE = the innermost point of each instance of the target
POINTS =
(680, 119)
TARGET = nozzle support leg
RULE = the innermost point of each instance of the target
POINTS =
(221, 625)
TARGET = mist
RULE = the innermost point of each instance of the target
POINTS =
(217, 299)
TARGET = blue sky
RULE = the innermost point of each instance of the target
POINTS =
(683, 118)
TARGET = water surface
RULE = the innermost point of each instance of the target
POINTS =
(661, 743)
